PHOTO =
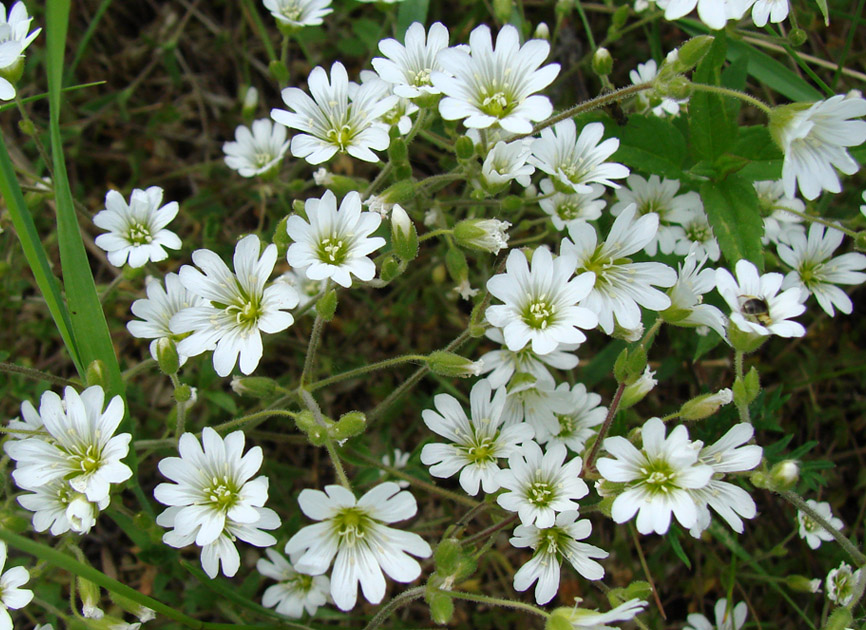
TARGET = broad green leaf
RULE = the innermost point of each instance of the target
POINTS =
(410, 11)
(712, 124)
(732, 208)
(764, 159)
(35, 254)
(653, 145)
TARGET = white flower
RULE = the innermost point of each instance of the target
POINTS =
(577, 424)
(295, 592)
(321, 177)
(687, 296)
(332, 123)
(576, 162)
(257, 152)
(409, 68)
(814, 140)
(816, 272)
(11, 595)
(82, 447)
(308, 290)
(658, 478)
(398, 461)
(335, 243)
(14, 39)
(779, 224)
(620, 285)
(30, 424)
(697, 234)
(659, 197)
(56, 505)
(157, 310)
(840, 584)
(298, 13)
(755, 306)
(730, 453)
(773, 10)
(540, 302)
(503, 364)
(564, 208)
(506, 162)
(477, 442)
(136, 231)
(354, 536)
(647, 100)
(535, 402)
(487, 235)
(551, 546)
(212, 484)
(726, 618)
(495, 85)
(540, 485)
(240, 306)
(399, 115)
(713, 13)
(812, 532)
(585, 619)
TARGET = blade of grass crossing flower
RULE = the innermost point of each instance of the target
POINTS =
(35, 254)
(88, 320)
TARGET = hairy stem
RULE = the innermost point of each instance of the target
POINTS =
(406, 358)
(611, 413)
(388, 609)
(797, 501)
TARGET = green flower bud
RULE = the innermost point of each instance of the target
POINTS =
(860, 241)
(453, 365)
(511, 203)
(90, 598)
(327, 305)
(95, 374)
(840, 619)
(691, 53)
(447, 556)
(502, 10)
(542, 31)
(441, 607)
(143, 613)
(166, 356)
(279, 71)
(602, 62)
(404, 238)
(27, 127)
(254, 386)
(704, 406)
(455, 261)
(486, 235)
(349, 425)
(465, 148)
(250, 102)
(391, 268)
(281, 238)
(341, 185)
(398, 151)
(630, 365)
(797, 37)
(399, 192)
(784, 475)
(637, 391)
(802, 584)
(183, 393)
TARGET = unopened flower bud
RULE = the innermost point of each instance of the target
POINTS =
(455, 262)
(441, 607)
(465, 148)
(802, 584)
(279, 72)
(254, 386)
(487, 235)
(81, 514)
(502, 10)
(166, 356)
(399, 192)
(95, 374)
(349, 425)
(636, 392)
(182, 393)
(602, 62)
(797, 37)
(630, 335)
(785, 474)
(840, 619)
(542, 31)
(89, 594)
(449, 364)
(705, 405)
(404, 238)
(692, 52)
(250, 102)
(391, 268)
(143, 613)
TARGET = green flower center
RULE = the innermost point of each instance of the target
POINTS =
(262, 159)
(653, 205)
(496, 104)
(333, 250)
(659, 477)
(540, 492)
(699, 232)
(88, 459)
(539, 313)
(222, 493)
(291, 12)
(351, 525)
(341, 137)
(568, 210)
(247, 313)
(420, 78)
(139, 234)
(481, 451)
(567, 424)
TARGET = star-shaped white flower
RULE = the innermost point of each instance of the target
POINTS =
(136, 231)
(812, 532)
(565, 208)
(335, 243)
(577, 424)
(408, 67)
(354, 536)
(14, 39)
(259, 151)
(294, 592)
(238, 307)
(647, 100)
(296, 14)
(490, 85)
(11, 593)
(727, 618)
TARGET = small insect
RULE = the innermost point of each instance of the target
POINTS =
(755, 309)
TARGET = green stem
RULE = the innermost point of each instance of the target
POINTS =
(487, 532)
(406, 358)
(742, 407)
(388, 609)
(433, 234)
(419, 122)
(717, 89)
(495, 601)
(313, 406)
(794, 499)
(589, 38)
(611, 413)
(434, 180)
(386, 170)
(315, 336)
(225, 426)
(36, 375)
(822, 221)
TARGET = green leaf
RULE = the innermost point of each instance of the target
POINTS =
(36, 256)
(822, 5)
(410, 11)
(755, 145)
(653, 145)
(674, 540)
(732, 208)
(712, 124)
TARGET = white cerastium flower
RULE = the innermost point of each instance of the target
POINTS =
(476, 443)
(620, 284)
(727, 618)
(810, 530)
(11, 593)
(816, 272)
(841, 583)
(294, 592)
(80, 447)
(57, 507)
(504, 363)
(333, 122)
(814, 140)
(335, 243)
(489, 85)
(256, 152)
(577, 424)
(296, 14)
(658, 478)
(354, 536)
(647, 100)
(157, 310)
(687, 295)
(564, 208)
(713, 13)
(574, 162)
(136, 230)
(540, 302)
(779, 223)
(409, 67)
(586, 619)
(214, 498)
(551, 546)
(237, 306)
(14, 39)
(540, 484)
